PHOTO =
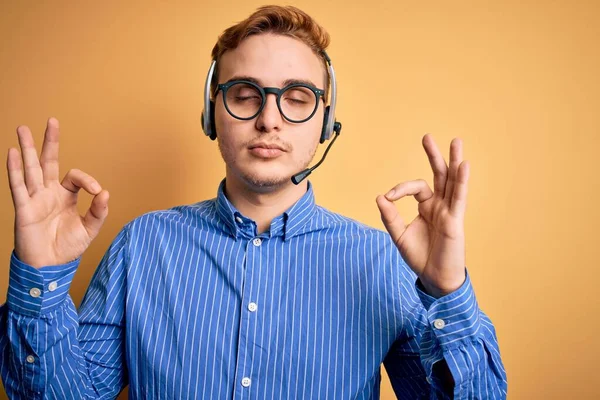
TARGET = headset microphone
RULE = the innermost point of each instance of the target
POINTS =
(300, 176)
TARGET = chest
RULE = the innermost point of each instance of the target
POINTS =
(300, 319)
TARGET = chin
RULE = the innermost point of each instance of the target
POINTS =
(266, 182)
(265, 179)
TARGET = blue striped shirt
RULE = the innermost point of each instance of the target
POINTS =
(191, 302)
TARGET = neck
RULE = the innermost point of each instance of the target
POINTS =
(264, 204)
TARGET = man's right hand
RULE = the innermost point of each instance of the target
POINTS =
(48, 227)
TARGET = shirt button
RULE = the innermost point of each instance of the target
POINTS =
(52, 286)
(239, 220)
(246, 382)
(252, 307)
(30, 359)
(439, 323)
(257, 242)
(35, 292)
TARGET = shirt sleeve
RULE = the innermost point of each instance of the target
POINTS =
(47, 349)
(453, 329)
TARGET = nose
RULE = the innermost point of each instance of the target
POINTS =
(270, 118)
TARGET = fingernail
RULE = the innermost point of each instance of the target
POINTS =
(390, 193)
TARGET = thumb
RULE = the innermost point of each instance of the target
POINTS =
(95, 216)
(390, 218)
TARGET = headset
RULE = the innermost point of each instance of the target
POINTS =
(330, 125)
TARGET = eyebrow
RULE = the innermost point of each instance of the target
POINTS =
(287, 82)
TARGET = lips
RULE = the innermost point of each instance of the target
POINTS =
(266, 153)
(269, 146)
(266, 150)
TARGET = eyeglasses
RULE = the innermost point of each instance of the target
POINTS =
(244, 100)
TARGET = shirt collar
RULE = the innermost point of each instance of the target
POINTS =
(292, 222)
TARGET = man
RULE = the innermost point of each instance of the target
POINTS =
(258, 293)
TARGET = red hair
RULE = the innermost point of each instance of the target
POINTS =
(282, 20)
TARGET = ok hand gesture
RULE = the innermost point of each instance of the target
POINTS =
(433, 244)
(48, 227)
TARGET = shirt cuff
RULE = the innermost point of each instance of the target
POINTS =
(453, 317)
(37, 291)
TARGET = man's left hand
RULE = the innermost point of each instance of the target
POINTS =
(433, 244)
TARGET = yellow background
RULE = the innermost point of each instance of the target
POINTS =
(518, 81)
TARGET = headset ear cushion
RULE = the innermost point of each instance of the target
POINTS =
(213, 127)
(325, 127)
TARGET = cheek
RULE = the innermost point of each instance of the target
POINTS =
(222, 118)
(230, 131)
(305, 142)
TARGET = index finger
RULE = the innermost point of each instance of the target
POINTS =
(49, 155)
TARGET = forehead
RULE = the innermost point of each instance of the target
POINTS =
(272, 59)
